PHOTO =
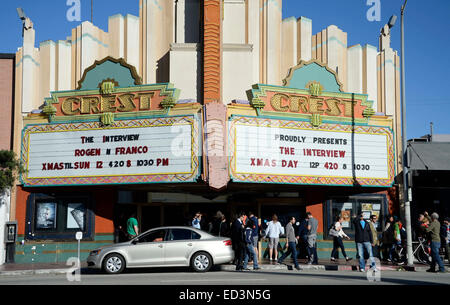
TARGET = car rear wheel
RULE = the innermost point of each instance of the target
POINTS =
(201, 262)
(114, 263)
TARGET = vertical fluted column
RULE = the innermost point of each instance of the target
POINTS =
(212, 46)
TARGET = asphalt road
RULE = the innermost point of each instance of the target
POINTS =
(177, 277)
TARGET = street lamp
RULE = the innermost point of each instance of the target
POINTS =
(406, 198)
(22, 17)
(404, 140)
(404, 146)
(392, 21)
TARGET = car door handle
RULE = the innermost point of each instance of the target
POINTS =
(189, 244)
(160, 246)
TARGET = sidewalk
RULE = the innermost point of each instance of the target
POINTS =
(36, 268)
(340, 265)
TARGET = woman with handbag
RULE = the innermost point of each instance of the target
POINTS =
(338, 234)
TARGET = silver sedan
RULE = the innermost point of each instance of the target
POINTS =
(164, 247)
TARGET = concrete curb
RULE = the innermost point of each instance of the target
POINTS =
(327, 267)
(275, 267)
(33, 272)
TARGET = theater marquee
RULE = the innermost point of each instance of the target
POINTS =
(266, 150)
(128, 151)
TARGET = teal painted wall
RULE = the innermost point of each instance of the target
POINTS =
(57, 252)
(314, 72)
(113, 70)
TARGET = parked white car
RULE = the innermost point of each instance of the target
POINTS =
(164, 247)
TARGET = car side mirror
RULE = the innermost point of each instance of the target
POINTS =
(135, 241)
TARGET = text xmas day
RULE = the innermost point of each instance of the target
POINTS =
(286, 149)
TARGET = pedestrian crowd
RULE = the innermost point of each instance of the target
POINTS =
(247, 230)
(437, 235)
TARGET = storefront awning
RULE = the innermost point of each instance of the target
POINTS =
(429, 156)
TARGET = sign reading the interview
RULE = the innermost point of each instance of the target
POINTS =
(293, 152)
(149, 150)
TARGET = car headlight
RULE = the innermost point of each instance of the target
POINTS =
(95, 252)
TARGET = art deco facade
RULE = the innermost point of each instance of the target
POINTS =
(218, 60)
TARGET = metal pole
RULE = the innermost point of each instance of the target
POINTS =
(431, 131)
(404, 147)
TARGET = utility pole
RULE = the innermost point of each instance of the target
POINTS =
(404, 147)
(431, 131)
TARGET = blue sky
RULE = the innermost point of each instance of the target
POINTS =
(426, 40)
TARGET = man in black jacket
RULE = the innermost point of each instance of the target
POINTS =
(363, 239)
(238, 241)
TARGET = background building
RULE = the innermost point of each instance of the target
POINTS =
(428, 163)
(7, 70)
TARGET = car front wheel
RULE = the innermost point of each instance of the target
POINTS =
(201, 262)
(114, 264)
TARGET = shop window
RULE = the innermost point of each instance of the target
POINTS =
(349, 207)
(59, 216)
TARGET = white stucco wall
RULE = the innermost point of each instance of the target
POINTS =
(389, 75)
(304, 32)
(132, 41)
(355, 69)
(29, 64)
(5, 200)
(234, 21)
(184, 69)
(237, 72)
(47, 69)
(336, 42)
(371, 74)
(289, 45)
(273, 46)
(63, 65)
(254, 32)
(116, 36)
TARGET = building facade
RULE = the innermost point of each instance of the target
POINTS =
(7, 63)
(200, 106)
(428, 174)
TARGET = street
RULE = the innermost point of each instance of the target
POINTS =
(178, 277)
